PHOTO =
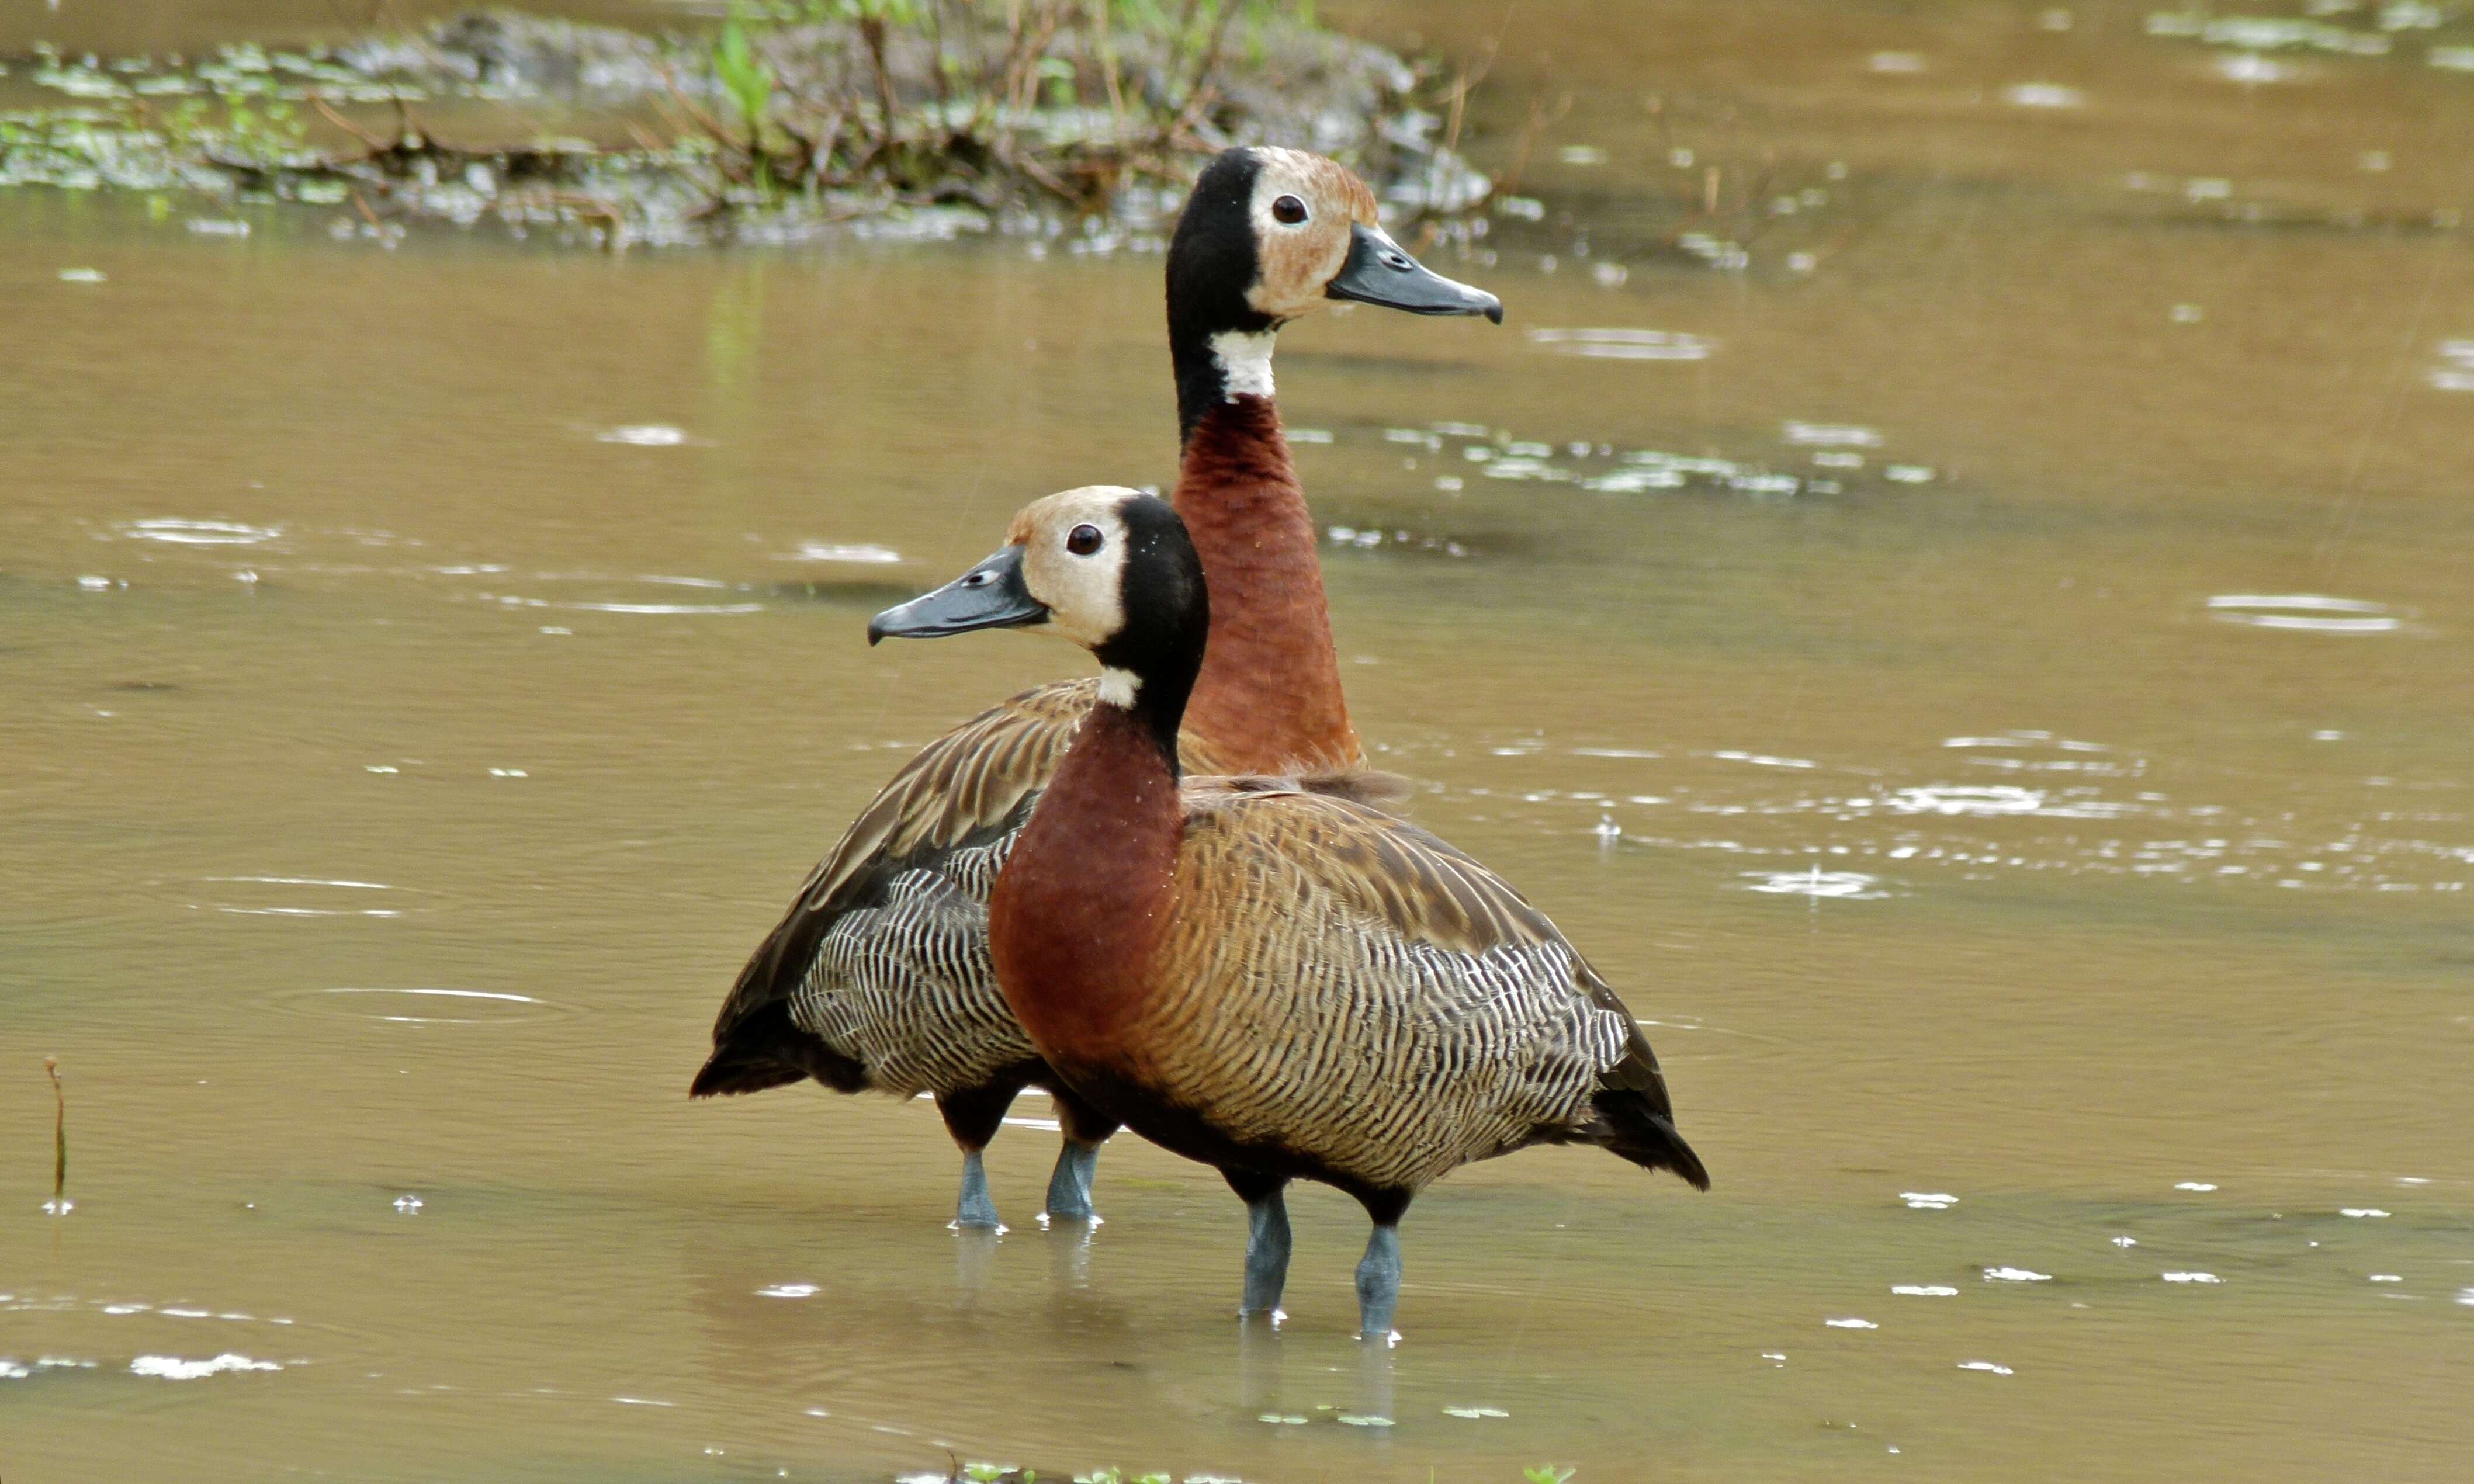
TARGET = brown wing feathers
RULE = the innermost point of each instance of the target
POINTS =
(857, 993)
(967, 788)
(1390, 1006)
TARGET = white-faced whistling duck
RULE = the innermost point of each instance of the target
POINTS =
(879, 979)
(1279, 983)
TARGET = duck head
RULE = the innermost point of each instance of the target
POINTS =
(1271, 235)
(1106, 568)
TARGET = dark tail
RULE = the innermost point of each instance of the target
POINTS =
(1642, 1131)
(764, 1049)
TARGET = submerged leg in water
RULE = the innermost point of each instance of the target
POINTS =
(1267, 1241)
(1086, 1129)
(976, 1208)
(1378, 1285)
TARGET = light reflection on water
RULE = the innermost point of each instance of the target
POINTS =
(2002, 895)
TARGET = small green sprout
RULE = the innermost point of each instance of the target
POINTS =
(746, 77)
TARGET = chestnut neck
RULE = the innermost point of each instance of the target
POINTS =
(1268, 696)
(1079, 909)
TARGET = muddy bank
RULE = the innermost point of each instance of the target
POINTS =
(963, 119)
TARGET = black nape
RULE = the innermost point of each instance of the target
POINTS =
(1168, 617)
(1212, 266)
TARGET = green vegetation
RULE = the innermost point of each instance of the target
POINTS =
(789, 116)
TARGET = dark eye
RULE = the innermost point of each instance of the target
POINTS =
(1289, 209)
(1083, 540)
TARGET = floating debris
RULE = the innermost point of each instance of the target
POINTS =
(1986, 1365)
(2251, 69)
(1832, 435)
(172, 1368)
(2304, 611)
(198, 533)
(645, 435)
(2190, 1278)
(1928, 1200)
(1924, 1290)
(2267, 34)
(1624, 345)
(2043, 95)
(2016, 1276)
(1816, 883)
(2454, 372)
(1850, 1324)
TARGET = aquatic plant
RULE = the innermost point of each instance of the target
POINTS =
(788, 116)
(1547, 1473)
(744, 75)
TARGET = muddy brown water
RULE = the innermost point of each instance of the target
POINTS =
(425, 673)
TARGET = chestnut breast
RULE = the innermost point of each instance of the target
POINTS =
(1079, 912)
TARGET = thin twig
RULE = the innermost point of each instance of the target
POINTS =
(370, 142)
(695, 111)
(1539, 122)
(59, 1130)
(1196, 99)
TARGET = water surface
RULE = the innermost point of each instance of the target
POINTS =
(1985, 675)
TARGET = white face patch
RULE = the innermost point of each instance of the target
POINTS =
(1083, 594)
(1245, 361)
(1294, 262)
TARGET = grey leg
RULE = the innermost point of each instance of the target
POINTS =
(976, 1208)
(1378, 1285)
(1267, 1254)
(1069, 1188)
